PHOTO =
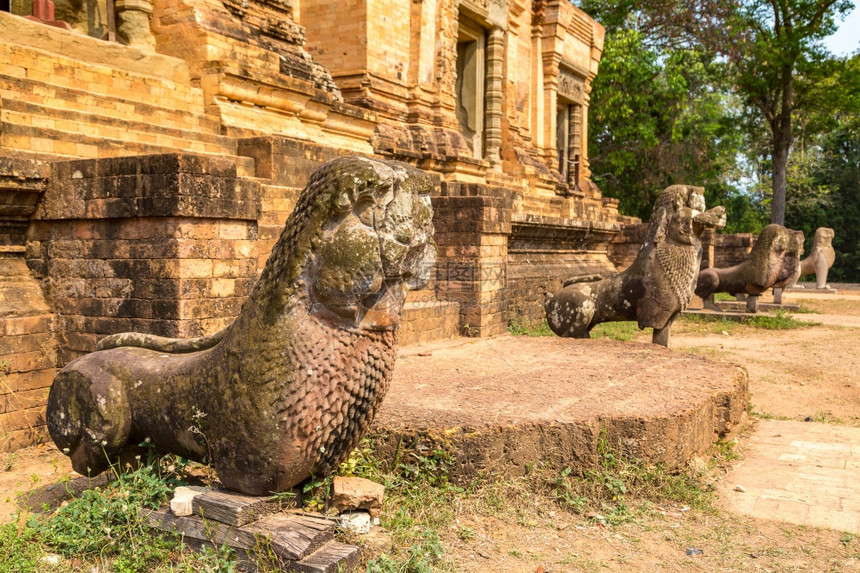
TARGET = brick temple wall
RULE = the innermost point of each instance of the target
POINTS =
(28, 356)
(543, 253)
(626, 244)
(730, 250)
(165, 244)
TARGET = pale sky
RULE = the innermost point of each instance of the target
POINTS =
(846, 40)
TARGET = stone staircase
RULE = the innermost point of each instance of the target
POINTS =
(53, 105)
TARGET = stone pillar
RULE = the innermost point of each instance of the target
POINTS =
(133, 23)
(495, 50)
(537, 110)
(551, 62)
(574, 144)
(472, 229)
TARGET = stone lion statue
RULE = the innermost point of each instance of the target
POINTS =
(289, 388)
(821, 258)
(771, 262)
(659, 283)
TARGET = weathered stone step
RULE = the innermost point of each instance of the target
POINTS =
(95, 123)
(110, 104)
(41, 130)
(140, 77)
(291, 537)
(302, 542)
(53, 144)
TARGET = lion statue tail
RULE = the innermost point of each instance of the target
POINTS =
(161, 343)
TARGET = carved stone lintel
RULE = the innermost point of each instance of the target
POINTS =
(570, 85)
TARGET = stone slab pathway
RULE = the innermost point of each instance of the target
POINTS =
(805, 473)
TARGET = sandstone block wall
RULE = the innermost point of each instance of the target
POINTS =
(730, 250)
(626, 244)
(472, 224)
(543, 253)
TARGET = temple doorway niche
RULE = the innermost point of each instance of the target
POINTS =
(17, 7)
(471, 78)
(569, 141)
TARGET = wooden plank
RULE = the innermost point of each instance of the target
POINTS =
(293, 537)
(333, 557)
(290, 537)
(204, 530)
(233, 508)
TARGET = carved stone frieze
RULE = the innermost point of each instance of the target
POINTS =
(570, 85)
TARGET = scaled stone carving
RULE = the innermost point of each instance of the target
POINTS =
(659, 283)
(288, 389)
(771, 263)
(821, 258)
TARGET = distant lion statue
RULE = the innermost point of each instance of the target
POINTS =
(772, 262)
(821, 258)
(659, 283)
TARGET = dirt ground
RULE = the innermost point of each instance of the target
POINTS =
(801, 374)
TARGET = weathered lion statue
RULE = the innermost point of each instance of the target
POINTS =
(659, 283)
(289, 388)
(821, 258)
(771, 262)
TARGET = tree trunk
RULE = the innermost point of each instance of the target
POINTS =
(782, 139)
(781, 146)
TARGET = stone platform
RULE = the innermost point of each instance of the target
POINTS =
(505, 403)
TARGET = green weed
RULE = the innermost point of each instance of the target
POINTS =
(109, 522)
(805, 310)
(605, 491)
(780, 320)
(105, 528)
(718, 296)
(717, 324)
(518, 326)
(624, 331)
(824, 417)
(19, 550)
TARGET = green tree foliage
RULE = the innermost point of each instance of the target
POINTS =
(730, 94)
(661, 115)
(772, 55)
(824, 172)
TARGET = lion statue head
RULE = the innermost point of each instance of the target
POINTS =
(376, 244)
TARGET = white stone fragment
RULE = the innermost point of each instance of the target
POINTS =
(181, 504)
(358, 522)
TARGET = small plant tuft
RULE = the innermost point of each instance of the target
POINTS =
(519, 326)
